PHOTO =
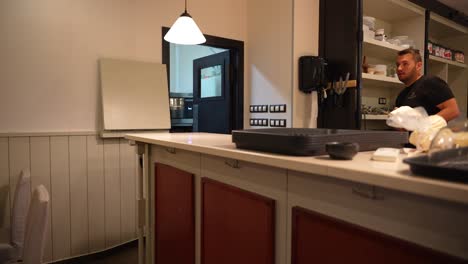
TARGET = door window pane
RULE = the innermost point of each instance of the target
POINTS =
(210, 81)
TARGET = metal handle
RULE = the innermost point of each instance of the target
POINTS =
(233, 164)
(171, 150)
(368, 194)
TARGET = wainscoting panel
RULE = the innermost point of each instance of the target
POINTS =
(112, 190)
(78, 195)
(60, 193)
(127, 190)
(92, 185)
(96, 215)
(40, 174)
(18, 159)
(4, 187)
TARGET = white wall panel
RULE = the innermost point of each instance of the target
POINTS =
(96, 207)
(40, 174)
(60, 195)
(128, 187)
(112, 191)
(4, 188)
(18, 160)
(78, 195)
(92, 186)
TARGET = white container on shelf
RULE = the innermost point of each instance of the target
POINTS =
(400, 37)
(380, 69)
(407, 43)
(369, 21)
(394, 41)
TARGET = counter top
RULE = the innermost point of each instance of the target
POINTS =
(391, 175)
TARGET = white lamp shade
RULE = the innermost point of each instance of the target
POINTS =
(185, 31)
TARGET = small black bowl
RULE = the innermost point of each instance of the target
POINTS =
(342, 150)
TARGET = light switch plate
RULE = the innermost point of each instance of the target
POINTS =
(278, 108)
(258, 108)
(259, 122)
(277, 122)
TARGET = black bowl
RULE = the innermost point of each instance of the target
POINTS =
(342, 150)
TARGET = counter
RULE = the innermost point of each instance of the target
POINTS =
(247, 206)
(392, 175)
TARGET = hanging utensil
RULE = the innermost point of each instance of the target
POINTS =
(345, 86)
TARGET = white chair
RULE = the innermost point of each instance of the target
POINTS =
(22, 197)
(36, 226)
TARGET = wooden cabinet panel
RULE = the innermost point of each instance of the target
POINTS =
(428, 222)
(237, 226)
(174, 216)
(317, 238)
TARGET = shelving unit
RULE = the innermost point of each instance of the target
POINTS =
(382, 78)
(374, 117)
(441, 28)
(397, 18)
(385, 50)
(452, 35)
(445, 61)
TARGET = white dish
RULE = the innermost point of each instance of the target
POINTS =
(369, 21)
(401, 37)
(386, 154)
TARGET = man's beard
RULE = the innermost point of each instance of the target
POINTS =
(410, 76)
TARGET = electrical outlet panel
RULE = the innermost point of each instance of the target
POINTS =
(279, 108)
(278, 122)
(258, 108)
(258, 121)
(382, 100)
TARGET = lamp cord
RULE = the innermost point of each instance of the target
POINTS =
(185, 6)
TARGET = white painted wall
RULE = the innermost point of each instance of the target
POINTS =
(278, 33)
(306, 37)
(182, 57)
(49, 70)
(269, 55)
(50, 49)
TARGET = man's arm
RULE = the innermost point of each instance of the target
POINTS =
(448, 109)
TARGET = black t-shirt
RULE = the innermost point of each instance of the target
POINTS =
(428, 92)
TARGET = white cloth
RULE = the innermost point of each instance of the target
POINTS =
(12, 251)
(20, 208)
(36, 226)
(422, 139)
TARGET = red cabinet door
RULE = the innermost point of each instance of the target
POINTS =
(174, 216)
(317, 238)
(237, 225)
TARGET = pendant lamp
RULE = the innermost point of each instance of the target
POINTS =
(185, 31)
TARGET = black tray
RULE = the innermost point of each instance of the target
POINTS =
(311, 141)
(451, 165)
